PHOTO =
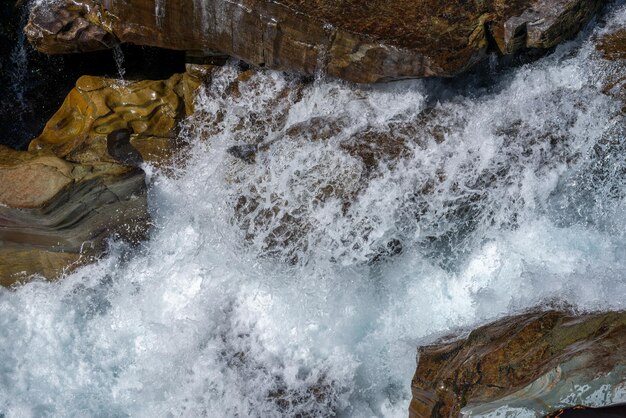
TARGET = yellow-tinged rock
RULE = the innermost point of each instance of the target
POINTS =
(97, 106)
(62, 199)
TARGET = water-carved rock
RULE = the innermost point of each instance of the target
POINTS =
(358, 41)
(98, 106)
(55, 215)
(531, 360)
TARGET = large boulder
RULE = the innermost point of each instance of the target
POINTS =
(55, 215)
(535, 360)
(356, 40)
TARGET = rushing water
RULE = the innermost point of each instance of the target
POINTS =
(303, 283)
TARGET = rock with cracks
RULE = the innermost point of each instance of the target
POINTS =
(532, 361)
(360, 41)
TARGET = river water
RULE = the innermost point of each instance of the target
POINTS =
(302, 284)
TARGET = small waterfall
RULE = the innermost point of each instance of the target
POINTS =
(159, 12)
(118, 56)
(18, 71)
(201, 14)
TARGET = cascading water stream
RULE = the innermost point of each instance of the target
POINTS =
(303, 283)
(18, 69)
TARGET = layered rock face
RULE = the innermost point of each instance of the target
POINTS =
(536, 361)
(359, 41)
(56, 215)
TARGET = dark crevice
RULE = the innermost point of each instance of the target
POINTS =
(492, 45)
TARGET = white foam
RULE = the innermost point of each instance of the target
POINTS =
(526, 205)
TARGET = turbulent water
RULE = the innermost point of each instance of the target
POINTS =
(302, 284)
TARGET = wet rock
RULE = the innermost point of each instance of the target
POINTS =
(531, 360)
(246, 152)
(33, 85)
(56, 215)
(99, 106)
(119, 147)
(613, 45)
(358, 41)
(78, 184)
(77, 27)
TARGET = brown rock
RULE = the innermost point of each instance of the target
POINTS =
(531, 360)
(613, 45)
(361, 41)
(98, 106)
(55, 215)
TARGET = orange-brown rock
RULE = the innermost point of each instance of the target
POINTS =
(540, 360)
(97, 106)
(361, 41)
(55, 215)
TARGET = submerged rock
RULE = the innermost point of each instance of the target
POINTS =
(55, 215)
(245, 152)
(613, 48)
(613, 45)
(359, 41)
(540, 361)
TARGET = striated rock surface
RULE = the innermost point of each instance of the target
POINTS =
(541, 361)
(55, 215)
(97, 106)
(359, 41)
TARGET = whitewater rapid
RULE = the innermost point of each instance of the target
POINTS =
(269, 289)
